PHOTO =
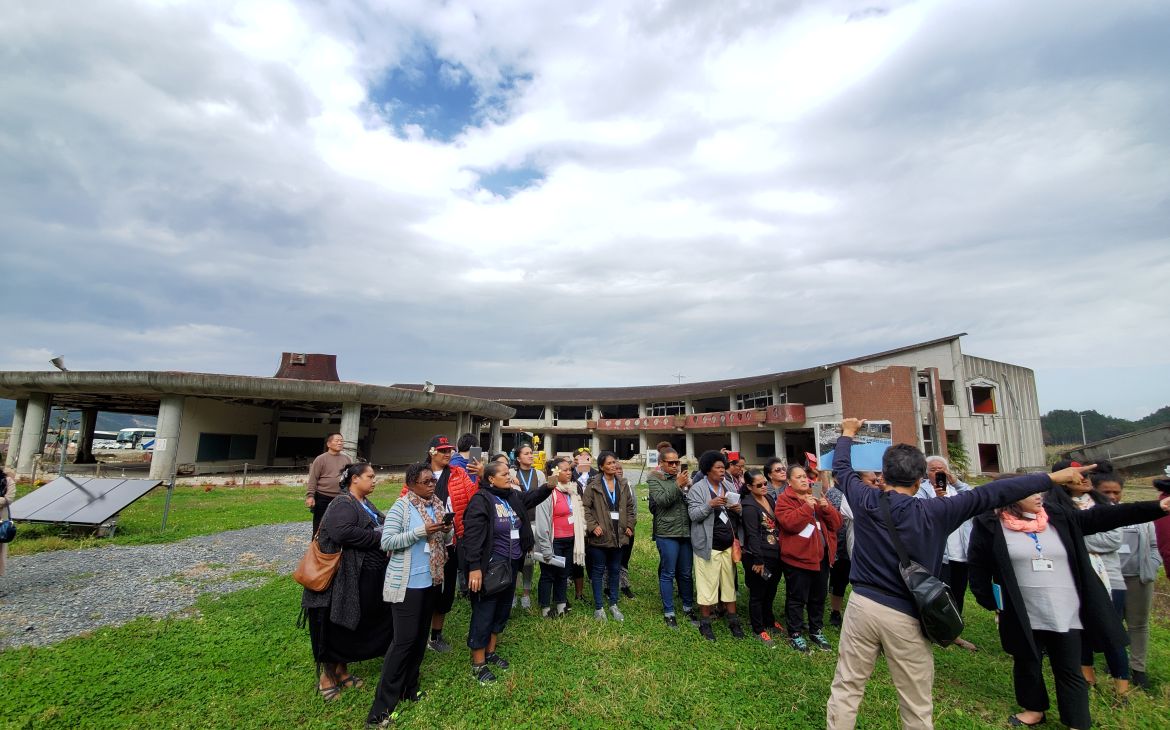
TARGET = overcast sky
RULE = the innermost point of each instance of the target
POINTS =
(513, 193)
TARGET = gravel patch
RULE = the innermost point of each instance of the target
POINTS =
(51, 596)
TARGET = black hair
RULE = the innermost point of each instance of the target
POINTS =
(1058, 494)
(331, 435)
(414, 471)
(1099, 478)
(498, 454)
(708, 460)
(492, 468)
(666, 450)
(1162, 485)
(349, 472)
(466, 441)
(903, 465)
(662, 445)
(603, 456)
(557, 461)
(525, 445)
(771, 463)
(749, 476)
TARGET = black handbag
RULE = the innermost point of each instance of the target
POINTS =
(937, 613)
(7, 531)
(497, 577)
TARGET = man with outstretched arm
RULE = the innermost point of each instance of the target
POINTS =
(881, 615)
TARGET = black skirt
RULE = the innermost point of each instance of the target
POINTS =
(334, 644)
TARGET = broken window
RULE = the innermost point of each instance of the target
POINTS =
(534, 413)
(983, 399)
(924, 386)
(668, 408)
(758, 399)
(948, 391)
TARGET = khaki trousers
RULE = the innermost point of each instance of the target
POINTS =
(870, 627)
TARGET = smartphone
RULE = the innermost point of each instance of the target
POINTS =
(448, 518)
(818, 490)
(476, 454)
(940, 479)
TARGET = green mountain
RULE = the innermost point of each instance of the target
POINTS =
(1064, 427)
(105, 421)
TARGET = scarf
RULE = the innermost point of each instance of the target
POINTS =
(578, 521)
(436, 539)
(1036, 523)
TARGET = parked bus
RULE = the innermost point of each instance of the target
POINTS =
(135, 438)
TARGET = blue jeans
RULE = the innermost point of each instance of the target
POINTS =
(674, 561)
(602, 560)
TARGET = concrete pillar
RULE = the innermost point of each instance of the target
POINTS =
(497, 434)
(549, 414)
(643, 443)
(691, 445)
(550, 444)
(166, 437)
(273, 436)
(85, 437)
(32, 441)
(351, 424)
(776, 396)
(595, 444)
(781, 445)
(731, 404)
(735, 441)
(15, 434)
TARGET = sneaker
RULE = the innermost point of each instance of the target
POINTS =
(835, 619)
(736, 629)
(819, 641)
(545, 612)
(705, 630)
(628, 592)
(617, 615)
(387, 721)
(671, 622)
(599, 614)
(797, 642)
(692, 616)
(482, 674)
(494, 658)
(439, 644)
(525, 602)
(515, 601)
(568, 607)
(1141, 679)
(764, 637)
(559, 610)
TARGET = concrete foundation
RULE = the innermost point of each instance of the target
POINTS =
(32, 441)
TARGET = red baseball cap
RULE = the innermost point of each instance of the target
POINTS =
(439, 443)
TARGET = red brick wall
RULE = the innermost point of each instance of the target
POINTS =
(887, 395)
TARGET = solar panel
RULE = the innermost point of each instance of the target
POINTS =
(80, 500)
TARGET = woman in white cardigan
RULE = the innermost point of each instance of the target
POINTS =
(559, 530)
(7, 497)
(415, 535)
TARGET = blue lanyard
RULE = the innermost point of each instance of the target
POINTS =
(610, 494)
(568, 499)
(373, 515)
(1035, 539)
(714, 494)
(511, 514)
(527, 482)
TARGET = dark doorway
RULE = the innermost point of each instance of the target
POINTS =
(989, 458)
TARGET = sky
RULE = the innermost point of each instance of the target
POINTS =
(605, 193)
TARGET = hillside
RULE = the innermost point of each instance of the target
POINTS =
(1064, 427)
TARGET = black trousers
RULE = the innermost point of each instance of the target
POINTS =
(320, 503)
(805, 591)
(1072, 691)
(762, 596)
(839, 577)
(446, 599)
(954, 574)
(404, 658)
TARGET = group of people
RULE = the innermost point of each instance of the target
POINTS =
(1062, 576)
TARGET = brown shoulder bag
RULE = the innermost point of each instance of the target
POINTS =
(316, 569)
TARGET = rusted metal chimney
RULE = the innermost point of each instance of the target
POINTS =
(308, 366)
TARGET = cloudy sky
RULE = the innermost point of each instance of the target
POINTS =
(507, 192)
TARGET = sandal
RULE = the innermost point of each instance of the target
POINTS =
(1014, 721)
(329, 694)
(353, 681)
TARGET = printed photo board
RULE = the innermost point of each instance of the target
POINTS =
(869, 445)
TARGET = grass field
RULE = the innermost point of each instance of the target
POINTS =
(240, 661)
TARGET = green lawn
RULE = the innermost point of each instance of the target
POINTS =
(194, 511)
(241, 662)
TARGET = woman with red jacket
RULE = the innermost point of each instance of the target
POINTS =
(808, 546)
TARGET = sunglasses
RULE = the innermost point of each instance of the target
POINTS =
(672, 463)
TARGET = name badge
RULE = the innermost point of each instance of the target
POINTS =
(613, 515)
(723, 516)
(570, 519)
(427, 547)
(514, 534)
(1040, 565)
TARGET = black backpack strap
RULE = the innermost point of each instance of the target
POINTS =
(903, 558)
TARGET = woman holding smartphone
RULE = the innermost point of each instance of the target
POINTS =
(415, 537)
(808, 546)
(761, 555)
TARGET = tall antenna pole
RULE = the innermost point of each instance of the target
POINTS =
(679, 377)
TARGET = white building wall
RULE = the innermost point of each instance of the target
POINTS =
(404, 440)
(204, 415)
(941, 356)
(1015, 426)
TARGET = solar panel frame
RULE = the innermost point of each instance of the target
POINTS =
(80, 500)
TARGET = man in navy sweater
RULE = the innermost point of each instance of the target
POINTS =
(881, 614)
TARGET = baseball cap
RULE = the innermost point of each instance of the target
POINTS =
(440, 443)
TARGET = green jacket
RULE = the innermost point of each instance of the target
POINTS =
(670, 506)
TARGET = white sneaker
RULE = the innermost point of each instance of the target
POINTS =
(515, 600)
(617, 615)
(525, 602)
(599, 614)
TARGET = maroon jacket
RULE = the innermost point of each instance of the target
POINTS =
(794, 515)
